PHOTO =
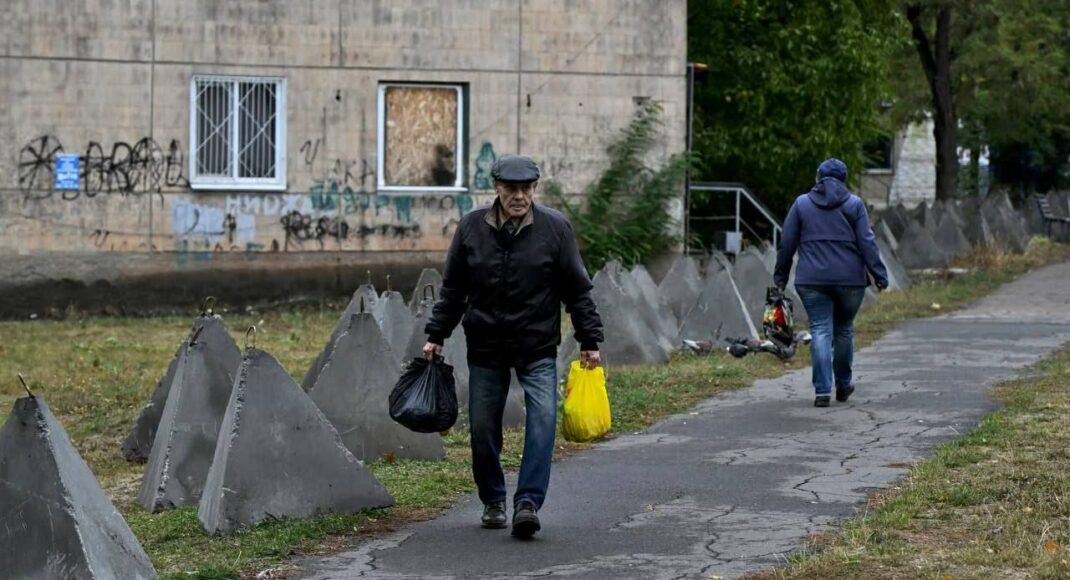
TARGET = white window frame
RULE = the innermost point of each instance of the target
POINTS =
(459, 179)
(234, 182)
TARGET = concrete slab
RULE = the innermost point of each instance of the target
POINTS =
(185, 442)
(364, 299)
(395, 321)
(681, 286)
(734, 485)
(279, 457)
(138, 443)
(918, 250)
(428, 277)
(57, 521)
(353, 391)
(719, 313)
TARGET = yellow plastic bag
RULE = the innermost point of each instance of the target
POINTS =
(586, 412)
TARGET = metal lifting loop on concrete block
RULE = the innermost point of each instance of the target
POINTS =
(206, 307)
(196, 335)
(369, 272)
(389, 287)
(430, 287)
(25, 386)
(250, 338)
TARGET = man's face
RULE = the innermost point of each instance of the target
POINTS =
(516, 197)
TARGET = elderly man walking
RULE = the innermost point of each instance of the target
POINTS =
(509, 268)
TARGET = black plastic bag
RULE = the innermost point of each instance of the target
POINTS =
(425, 397)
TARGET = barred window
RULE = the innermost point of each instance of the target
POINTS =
(237, 132)
(421, 137)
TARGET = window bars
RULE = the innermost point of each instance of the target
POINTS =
(237, 133)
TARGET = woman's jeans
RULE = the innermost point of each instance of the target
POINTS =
(832, 311)
(488, 389)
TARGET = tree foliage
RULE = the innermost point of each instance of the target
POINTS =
(1009, 70)
(791, 83)
(625, 214)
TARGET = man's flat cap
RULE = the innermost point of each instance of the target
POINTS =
(514, 168)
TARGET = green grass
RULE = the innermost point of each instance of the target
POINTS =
(96, 374)
(992, 504)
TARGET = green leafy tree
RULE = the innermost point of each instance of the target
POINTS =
(625, 214)
(790, 83)
(990, 72)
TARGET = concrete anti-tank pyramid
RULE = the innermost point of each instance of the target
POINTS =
(365, 299)
(220, 345)
(949, 236)
(185, 442)
(657, 309)
(681, 286)
(395, 321)
(428, 277)
(138, 442)
(629, 338)
(719, 313)
(279, 456)
(353, 391)
(897, 275)
(752, 280)
(57, 521)
(1007, 225)
(918, 250)
(428, 295)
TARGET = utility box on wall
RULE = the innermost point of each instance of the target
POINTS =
(729, 242)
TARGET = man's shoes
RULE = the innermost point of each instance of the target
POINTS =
(494, 516)
(845, 393)
(822, 401)
(525, 519)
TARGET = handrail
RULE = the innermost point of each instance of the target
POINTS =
(742, 192)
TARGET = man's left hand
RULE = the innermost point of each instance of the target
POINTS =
(590, 359)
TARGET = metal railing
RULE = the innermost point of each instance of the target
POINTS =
(741, 193)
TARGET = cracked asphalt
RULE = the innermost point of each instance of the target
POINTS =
(735, 484)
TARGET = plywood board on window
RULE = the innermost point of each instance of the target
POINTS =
(421, 136)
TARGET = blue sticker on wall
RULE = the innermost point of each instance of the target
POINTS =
(67, 171)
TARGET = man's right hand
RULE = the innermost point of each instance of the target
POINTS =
(431, 349)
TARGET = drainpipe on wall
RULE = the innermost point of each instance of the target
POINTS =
(699, 70)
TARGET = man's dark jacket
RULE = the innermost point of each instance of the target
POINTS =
(509, 289)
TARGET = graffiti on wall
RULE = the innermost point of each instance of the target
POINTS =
(337, 210)
(484, 162)
(123, 168)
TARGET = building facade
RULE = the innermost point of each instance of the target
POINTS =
(281, 144)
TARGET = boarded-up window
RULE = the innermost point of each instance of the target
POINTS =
(420, 136)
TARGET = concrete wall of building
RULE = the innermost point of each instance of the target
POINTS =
(914, 181)
(110, 81)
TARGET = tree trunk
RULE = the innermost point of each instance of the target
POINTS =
(936, 62)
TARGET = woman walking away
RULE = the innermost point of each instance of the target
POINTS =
(829, 227)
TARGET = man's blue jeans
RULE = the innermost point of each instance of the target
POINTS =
(832, 311)
(487, 392)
